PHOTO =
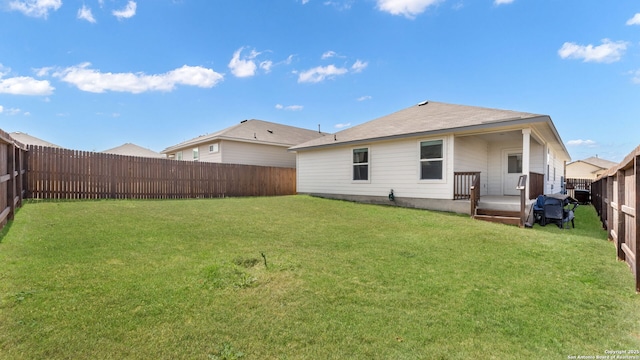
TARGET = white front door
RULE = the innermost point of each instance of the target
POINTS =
(512, 171)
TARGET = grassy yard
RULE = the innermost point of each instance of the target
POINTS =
(338, 280)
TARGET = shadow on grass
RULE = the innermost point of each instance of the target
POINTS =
(5, 230)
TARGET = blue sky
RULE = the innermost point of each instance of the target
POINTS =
(94, 74)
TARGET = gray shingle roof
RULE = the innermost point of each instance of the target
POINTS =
(31, 140)
(130, 149)
(601, 163)
(256, 131)
(424, 118)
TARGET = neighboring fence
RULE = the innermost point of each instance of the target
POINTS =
(616, 197)
(12, 175)
(55, 173)
(578, 184)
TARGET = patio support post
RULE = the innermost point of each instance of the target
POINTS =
(526, 157)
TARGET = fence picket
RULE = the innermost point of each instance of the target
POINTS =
(70, 174)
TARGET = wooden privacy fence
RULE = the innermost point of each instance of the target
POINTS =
(616, 197)
(12, 175)
(55, 173)
(579, 184)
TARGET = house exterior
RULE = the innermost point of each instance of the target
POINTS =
(590, 168)
(426, 153)
(130, 149)
(252, 142)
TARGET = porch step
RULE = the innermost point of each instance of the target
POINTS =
(498, 216)
(502, 213)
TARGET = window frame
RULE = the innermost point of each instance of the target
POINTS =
(367, 164)
(196, 154)
(217, 149)
(442, 159)
(179, 155)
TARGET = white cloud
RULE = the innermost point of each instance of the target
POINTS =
(289, 60)
(128, 12)
(341, 126)
(87, 79)
(339, 5)
(635, 20)
(244, 66)
(290, 107)
(84, 13)
(635, 76)
(358, 66)
(35, 8)
(1, 109)
(320, 73)
(12, 111)
(608, 52)
(44, 71)
(329, 54)
(266, 65)
(364, 98)
(407, 8)
(580, 142)
(23, 85)
(502, 2)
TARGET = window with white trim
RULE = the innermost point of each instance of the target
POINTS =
(431, 160)
(196, 154)
(214, 148)
(361, 164)
(179, 155)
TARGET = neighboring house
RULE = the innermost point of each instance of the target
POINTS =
(252, 142)
(590, 168)
(130, 149)
(423, 151)
(27, 139)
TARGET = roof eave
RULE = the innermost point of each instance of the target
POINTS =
(216, 138)
(483, 126)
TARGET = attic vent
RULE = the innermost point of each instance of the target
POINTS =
(423, 103)
(243, 121)
(270, 131)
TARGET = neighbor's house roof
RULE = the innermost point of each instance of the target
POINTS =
(432, 118)
(254, 131)
(130, 149)
(31, 140)
(597, 162)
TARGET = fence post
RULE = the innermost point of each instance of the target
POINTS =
(522, 186)
(620, 225)
(636, 206)
(11, 184)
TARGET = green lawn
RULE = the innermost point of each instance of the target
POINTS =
(186, 279)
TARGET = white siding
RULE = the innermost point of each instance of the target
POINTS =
(393, 165)
(582, 170)
(234, 152)
(496, 159)
(553, 180)
(537, 158)
(207, 156)
(471, 154)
